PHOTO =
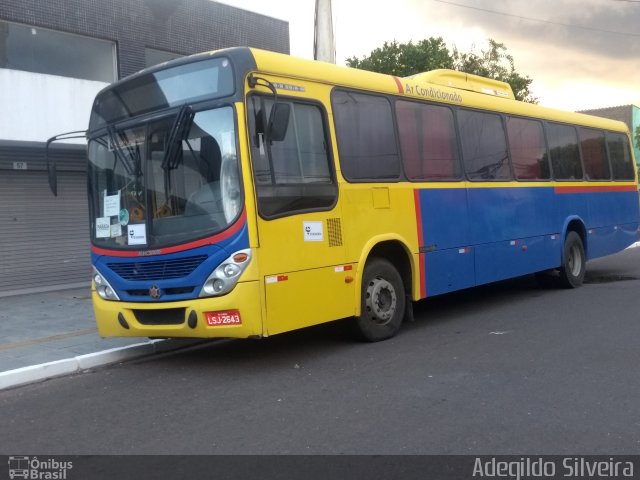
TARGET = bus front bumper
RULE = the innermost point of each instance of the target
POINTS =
(234, 315)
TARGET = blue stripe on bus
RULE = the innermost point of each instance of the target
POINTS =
(481, 235)
(173, 287)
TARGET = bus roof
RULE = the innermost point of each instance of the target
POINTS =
(444, 86)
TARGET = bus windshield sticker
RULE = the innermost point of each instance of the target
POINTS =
(116, 230)
(123, 217)
(313, 232)
(103, 227)
(137, 234)
(112, 205)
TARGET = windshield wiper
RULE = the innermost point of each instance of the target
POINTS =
(178, 132)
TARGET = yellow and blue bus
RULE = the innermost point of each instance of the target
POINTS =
(244, 193)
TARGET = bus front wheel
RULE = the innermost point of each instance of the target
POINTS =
(573, 262)
(382, 302)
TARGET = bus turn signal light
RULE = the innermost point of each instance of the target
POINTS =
(240, 257)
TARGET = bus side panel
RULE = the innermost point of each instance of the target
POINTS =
(512, 229)
(516, 257)
(611, 208)
(611, 217)
(444, 218)
(608, 240)
(308, 297)
(449, 270)
(504, 213)
(613, 222)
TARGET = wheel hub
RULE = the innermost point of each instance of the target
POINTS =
(574, 260)
(381, 300)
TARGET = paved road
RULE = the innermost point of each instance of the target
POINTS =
(508, 368)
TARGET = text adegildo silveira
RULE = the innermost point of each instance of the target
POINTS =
(576, 467)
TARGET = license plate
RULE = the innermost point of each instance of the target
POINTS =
(217, 319)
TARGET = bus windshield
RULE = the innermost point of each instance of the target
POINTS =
(191, 82)
(164, 182)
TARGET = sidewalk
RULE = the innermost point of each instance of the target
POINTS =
(54, 333)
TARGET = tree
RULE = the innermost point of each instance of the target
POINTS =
(405, 59)
(636, 137)
(497, 64)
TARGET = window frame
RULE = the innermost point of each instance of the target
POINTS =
(329, 150)
(501, 116)
(115, 64)
(629, 148)
(458, 158)
(540, 122)
(574, 126)
(394, 122)
(585, 174)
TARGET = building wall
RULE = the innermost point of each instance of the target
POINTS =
(44, 241)
(179, 26)
(36, 106)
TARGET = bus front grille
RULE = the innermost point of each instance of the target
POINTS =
(158, 269)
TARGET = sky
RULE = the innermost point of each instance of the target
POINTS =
(581, 54)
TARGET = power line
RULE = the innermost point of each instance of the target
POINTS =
(542, 20)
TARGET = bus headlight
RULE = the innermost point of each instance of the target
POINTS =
(102, 286)
(227, 274)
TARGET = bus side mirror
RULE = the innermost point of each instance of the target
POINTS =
(278, 122)
(51, 169)
(51, 162)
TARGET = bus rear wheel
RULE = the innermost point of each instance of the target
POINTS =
(383, 301)
(573, 262)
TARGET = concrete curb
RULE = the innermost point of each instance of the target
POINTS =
(67, 366)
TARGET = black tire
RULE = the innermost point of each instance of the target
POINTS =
(383, 301)
(574, 262)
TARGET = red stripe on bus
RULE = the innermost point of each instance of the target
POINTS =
(235, 228)
(399, 84)
(596, 189)
(416, 199)
(423, 280)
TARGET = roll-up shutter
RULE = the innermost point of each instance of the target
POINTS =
(44, 240)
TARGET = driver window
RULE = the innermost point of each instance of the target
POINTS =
(295, 174)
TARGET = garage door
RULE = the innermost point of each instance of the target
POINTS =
(44, 240)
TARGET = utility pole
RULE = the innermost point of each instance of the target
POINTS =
(324, 44)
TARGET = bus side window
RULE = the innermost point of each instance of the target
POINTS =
(484, 146)
(366, 137)
(427, 141)
(594, 154)
(620, 156)
(565, 155)
(293, 174)
(528, 149)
